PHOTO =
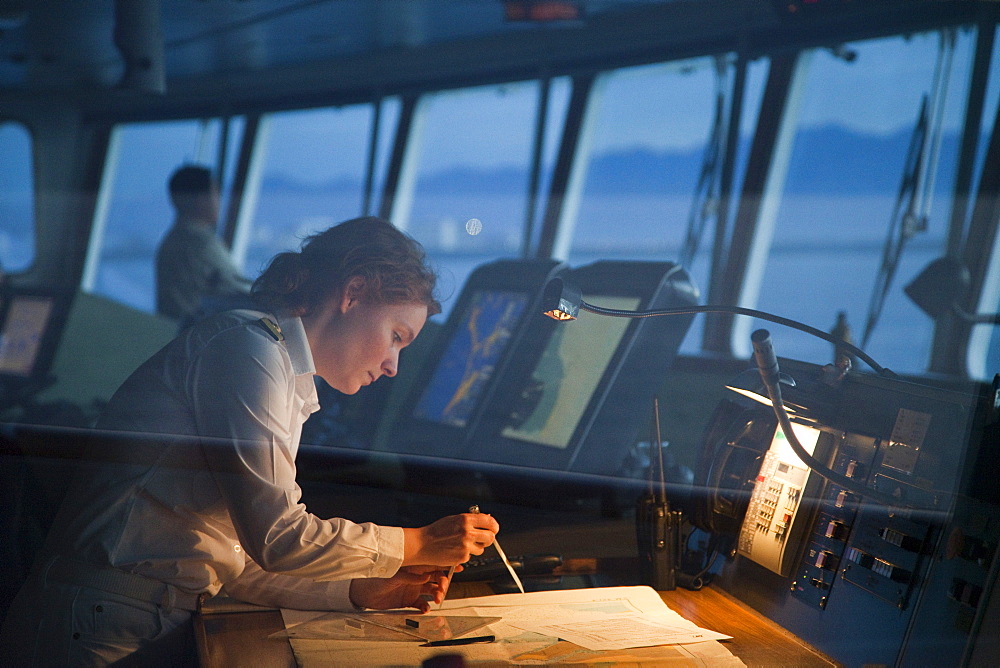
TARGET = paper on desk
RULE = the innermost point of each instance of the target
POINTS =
(602, 632)
(516, 646)
(617, 618)
(397, 626)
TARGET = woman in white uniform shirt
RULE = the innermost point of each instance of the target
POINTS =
(190, 486)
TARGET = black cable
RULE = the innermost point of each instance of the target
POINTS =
(767, 364)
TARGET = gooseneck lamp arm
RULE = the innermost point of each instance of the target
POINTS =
(563, 301)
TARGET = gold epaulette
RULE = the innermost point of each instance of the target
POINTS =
(272, 328)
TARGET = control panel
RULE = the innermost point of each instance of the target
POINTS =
(773, 526)
(893, 558)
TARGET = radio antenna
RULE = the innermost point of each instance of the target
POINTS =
(659, 450)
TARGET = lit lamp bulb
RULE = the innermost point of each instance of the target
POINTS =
(756, 396)
(561, 300)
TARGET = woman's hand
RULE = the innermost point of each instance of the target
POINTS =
(410, 587)
(450, 541)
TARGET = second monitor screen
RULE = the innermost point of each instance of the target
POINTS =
(567, 375)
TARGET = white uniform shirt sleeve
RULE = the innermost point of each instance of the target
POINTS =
(276, 590)
(250, 415)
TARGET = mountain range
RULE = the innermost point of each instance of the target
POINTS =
(825, 160)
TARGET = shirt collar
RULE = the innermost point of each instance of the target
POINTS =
(297, 345)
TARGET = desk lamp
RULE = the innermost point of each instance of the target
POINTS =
(561, 300)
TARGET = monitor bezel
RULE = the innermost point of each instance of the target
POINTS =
(420, 436)
(656, 285)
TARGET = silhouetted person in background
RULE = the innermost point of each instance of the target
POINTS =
(192, 263)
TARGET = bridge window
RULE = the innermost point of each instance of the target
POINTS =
(17, 197)
(313, 172)
(650, 164)
(857, 201)
(466, 189)
(134, 211)
(984, 343)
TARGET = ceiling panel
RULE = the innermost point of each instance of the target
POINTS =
(70, 43)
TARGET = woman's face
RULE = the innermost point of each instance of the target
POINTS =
(355, 341)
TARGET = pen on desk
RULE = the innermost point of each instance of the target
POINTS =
(458, 641)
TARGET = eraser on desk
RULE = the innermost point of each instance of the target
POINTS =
(413, 623)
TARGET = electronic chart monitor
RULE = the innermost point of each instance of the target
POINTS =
(496, 313)
(577, 402)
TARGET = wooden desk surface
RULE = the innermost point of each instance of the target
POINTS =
(757, 641)
(241, 638)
